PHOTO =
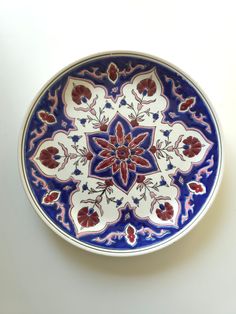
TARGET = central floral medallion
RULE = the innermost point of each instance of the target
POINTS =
(122, 153)
(119, 157)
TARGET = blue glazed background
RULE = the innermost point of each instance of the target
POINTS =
(186, 90)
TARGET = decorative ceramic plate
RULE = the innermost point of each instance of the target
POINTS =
(121, 154)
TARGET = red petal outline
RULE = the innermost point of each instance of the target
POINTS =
(141, 161)
(139, 151)
(124, 172)
(128, 138)
(86, 220)
(105, 163)
(120, 133)
(115, 168)
(112, 139)
(138, 139)
(132, 166)
(104, 143)
(52, 150)
(105, 153)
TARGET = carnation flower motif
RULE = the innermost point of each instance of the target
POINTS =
(192, 146)
(81, 94)
(48, 157)
(165, 211)
(87, 217)
(147, 87)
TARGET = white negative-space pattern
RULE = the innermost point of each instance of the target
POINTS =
(106, 129)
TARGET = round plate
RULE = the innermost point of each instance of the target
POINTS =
(121, 154)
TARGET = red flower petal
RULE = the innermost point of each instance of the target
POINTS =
(120, 134)
(113, 72)
(140, 87)
(47, 199)
(78, 92)
(124, 171)
(103, 127)
(87, 93)
(51, 164)
(153, 149)
(50, 118)
(83, 211)
(105, 163)
(140, 178)
(51, 197)
(93, 220)
(89, 155)
(140, 161)
(196, 187)
(134, 123)
(104, 143)
(46, 117)
(105, 153)
(147, 84)
(128, 138)
(132, 166)
(186, 104)
(130, 230)
(112, 139)
(87, 220)
(115, 168)
(151, 87)
(196, 150)
(194, 146)
(131, 238)
(46, 157)
(188, 140)
(167, 213)
(52, 150)
(138, 151)
(109, 182)
(54, 195)
(194, 140)
(42, 115)
(137, 140)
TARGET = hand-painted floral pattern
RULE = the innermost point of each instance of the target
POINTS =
(122, 153)
(137, 157)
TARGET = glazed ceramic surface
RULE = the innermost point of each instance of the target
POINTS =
(121, 154)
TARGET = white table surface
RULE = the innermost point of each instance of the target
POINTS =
(39, 272)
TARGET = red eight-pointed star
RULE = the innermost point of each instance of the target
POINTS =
(122, 152)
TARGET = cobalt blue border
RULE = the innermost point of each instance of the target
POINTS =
(186, 89)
